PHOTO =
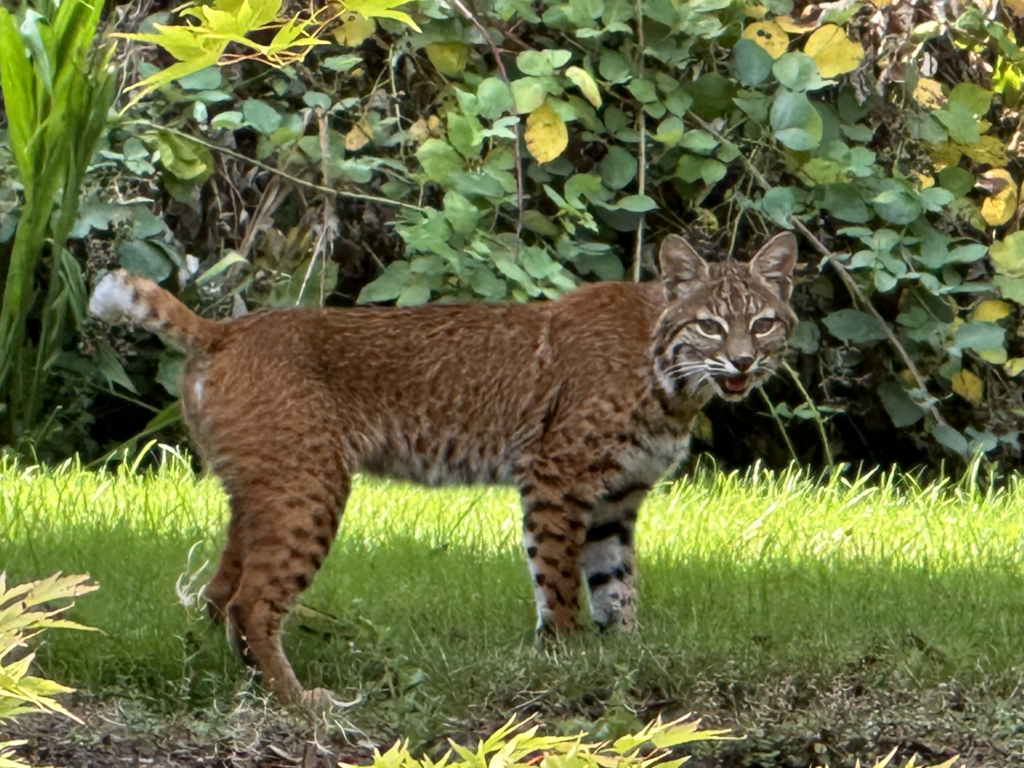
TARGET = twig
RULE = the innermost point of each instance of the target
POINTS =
(464, 10)
(817, 414)
(293, 179)
(844, 275)
(641, 183)
(779, 424)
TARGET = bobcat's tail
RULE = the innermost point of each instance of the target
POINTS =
(120, 296)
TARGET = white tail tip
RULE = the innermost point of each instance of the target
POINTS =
(114, 301)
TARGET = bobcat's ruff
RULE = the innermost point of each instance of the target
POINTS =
(582, 403)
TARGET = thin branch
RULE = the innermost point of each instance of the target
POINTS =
(844, 275)
(638, 256)
(817, 414)
(277, 171)
(779, 424)
(464, 10)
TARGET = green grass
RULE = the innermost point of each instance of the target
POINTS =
(745, 581)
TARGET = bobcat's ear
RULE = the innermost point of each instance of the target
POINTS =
(775, 262)
(680, 263)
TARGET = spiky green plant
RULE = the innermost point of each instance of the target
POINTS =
(57, 90)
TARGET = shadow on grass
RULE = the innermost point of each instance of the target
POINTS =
(434, 632)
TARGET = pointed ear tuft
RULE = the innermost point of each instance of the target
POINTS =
(775, 263)
(679, 262)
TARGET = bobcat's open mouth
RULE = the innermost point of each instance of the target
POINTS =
(734, 384)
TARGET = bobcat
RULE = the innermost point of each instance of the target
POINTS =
(582, 403)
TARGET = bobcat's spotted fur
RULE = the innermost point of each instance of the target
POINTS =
(582, 403)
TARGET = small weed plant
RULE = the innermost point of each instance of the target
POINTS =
(26, 611)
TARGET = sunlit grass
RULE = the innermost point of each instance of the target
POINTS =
(424, 609)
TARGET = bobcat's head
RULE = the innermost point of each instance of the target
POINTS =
(726, 323)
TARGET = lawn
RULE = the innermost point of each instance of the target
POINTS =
(762, 596)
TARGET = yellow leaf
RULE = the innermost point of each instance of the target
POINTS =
(944, 154)
(755, 11)
(586, 84)
(769, 36)
(968, 386)
(448, 58)
(384, 9)
(994, 356)
(990, 311)
(928, 93)
(419, 131)
(999, 207)
(546, 134)
(833, 52)
(355, 30)
(359, 136)
(924, 181)
(987, 151)
(1014, 366)
(789, 24)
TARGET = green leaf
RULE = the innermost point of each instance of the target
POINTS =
(798, 72)
(796, 122)
(460, 212)
(542, 63)
(950, 438)
(678, 102)
(388, 286)
(670, 131)
(494, 98)
(140, 258)
(614, 67)
(110, 367)
(806, 337)
(698, 142)
(261, 116)
(980, 336)
(535, 221)
(439, 160)
(778, 204)
(342, 63)
(618, 168)
(959, 120)
(854, 326)
(643, 90)
(957, 180)
(974, 97)
(1008, 255)
(528, 94)
(637, 203)
(897, 205)
(751, 64)
(487, 284)
(712, 95)
(901, 408)
(1011, 288)
(844, 202)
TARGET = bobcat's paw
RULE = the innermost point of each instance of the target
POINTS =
(323, 700)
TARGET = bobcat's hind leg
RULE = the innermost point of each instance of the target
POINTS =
(280, 533)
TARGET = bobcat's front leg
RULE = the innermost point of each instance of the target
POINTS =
(554, 529)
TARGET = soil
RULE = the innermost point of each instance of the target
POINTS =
(788, 724)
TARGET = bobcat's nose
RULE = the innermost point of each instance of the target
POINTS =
(742, 363)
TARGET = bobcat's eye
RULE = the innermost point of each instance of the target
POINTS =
(709, 327)
(762, 325)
